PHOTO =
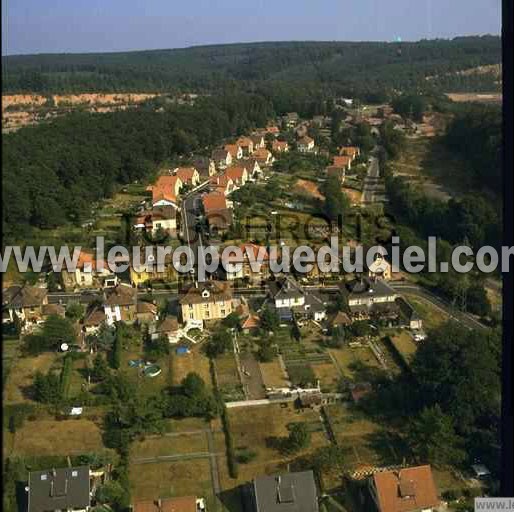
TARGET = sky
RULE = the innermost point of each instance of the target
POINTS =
(53, 26)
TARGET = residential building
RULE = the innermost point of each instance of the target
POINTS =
(250, 324)
(380, 268)
(253, 168)
(409, 315)
(88, 273)
(290, 299)
(211, 300)
(288, 492)
(146, 312)
(352, 151)
(59, 490)
(145, 271)
(217, 212)
(258, 141)
(222, 158)
(291, 119)
(302, 130)
(165, 191)
(169, 328)
(238, 174)
(240, 267)
(280, 146)
(263, 156)
(205, 167)
(120, 304)
(274, 130)
(342, 161)
(404, 490)
(235, 150)
(160, 218)
(366, 298)
(222, 184)
(305, 144)
(93, 320)
(25, 303)
(182, 504)
(246, 144)
(188, 175)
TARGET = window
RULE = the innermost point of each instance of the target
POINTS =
(191, 316)
(190, 306)
(223, 312)
(207, 314)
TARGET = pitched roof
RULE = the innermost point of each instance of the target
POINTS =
(23, 296)
(289, 492)
(251, 322)
(235, 172)
(261, 154)
(169, 324)
(120, 295)
(94, 318)
(341, 161)
(285, 287)
(364, 286)
(208, 291)
(219, 154)
(182, 504)
(185, 174)
(349, 151)
(232, 149)
(244, 141)
(214, 201)
(164, 188)
(279, 144)
(406, 490)
(53, 309)
(59, 489)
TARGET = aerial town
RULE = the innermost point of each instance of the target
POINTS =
(133, 387)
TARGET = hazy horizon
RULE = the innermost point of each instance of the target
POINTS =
(108, 26)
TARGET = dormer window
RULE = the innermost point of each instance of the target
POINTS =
(206, 294)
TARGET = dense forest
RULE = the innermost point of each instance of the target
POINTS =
(53, 172)
(346, 68)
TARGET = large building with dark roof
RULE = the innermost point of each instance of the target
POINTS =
(289, 492)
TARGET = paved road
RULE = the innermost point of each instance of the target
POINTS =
(373, 189)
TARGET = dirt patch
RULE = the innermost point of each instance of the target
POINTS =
(462, 97)
(309, 188)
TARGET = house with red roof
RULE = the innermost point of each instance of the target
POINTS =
(188, 175)
(235, 150)
(280, 146)
(166, 190)
(305, 144)
(238, 174)
(246, 144)
(405, 490)
(263, 156)
(222, 184)
(221, 158)
(217, 212)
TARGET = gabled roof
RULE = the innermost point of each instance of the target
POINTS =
(236, 172)
(219, 154)
(251, 322)
(214, 201)
(279, 144)
(120, 295)
(23, 296)
(53, 309)
(232, 149)
(349, 151)
(406, 490)
(206, 292)
(341, 161)
(366, 287)
(169, 324)
(59, 489)
(165, 188)
(288, 492)
(261, 154)
(244, 142)
(95, 318)
(186, 174)
(182, 504)
(285, 288)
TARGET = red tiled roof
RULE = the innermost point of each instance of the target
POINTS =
(235, 172)
(252, 322)
(214, 201)
(164, 188)
(349, 151)
(279, 144)
(406, 490)
(341, 161)
(232, 149)
(305, 140)
(185, 174)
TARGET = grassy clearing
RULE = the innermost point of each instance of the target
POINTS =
(429, 164)
(328, 376)
(405, 344)
(186, 424)
(57, 437)
(172, 479)
(259, 427)
(432, 316)
(169, 445)
(22, 373)
(195, 361)
(364, 442)
(273, 375)
(356, 363)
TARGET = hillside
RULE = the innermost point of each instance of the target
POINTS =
(345, 67)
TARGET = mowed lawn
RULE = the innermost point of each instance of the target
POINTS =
(405, 344)
(355, 361)
(22, 373)
(172, 479)
(57, 437)
(195, 361)
(259, 428)
(328, 376)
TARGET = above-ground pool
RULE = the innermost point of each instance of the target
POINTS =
(152, 371)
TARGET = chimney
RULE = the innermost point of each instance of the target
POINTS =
(51, 488)
(159, 504)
